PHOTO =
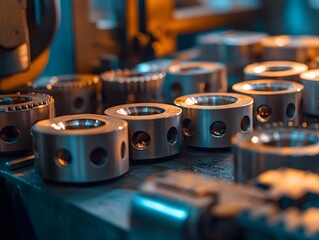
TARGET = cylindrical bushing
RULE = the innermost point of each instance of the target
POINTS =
(17, 114)
(310, 80)
(211, 119)
(126, 86)
(81, 148)
(274, 100)
(275, 70)
(235, 49)
(154, 129)
(194, 77)
(273, 148)
(73, 94)
(299, 48)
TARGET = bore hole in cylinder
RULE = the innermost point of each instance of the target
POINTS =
(245, 123)
(140, 111)
(293, 139)
(278, 68)
(218, 129)
(176, 89)
(78, 124)
(188, 128)
(211, 100)
(99, 156)
(78, 103)
(10, 134)
(63, 157)
(290, 110)
(207, 87)
(263, 113)
(272, 87)
(14, 100)
(141, 140)
(123, 150)
(172, 135)
(189, 69)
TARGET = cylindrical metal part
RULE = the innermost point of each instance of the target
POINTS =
(126, 86)
(275, 70)
(73, 94)
(274, 100)
(194, 77)
(154, 129)
(232, 48)
(273, 148)
(211, 119)
(17, 114)
(299, 48)
(81, 148)
(310, 80)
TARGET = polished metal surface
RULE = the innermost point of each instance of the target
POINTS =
(284, 70)
(73, 94)
(81, 148)
(273, 148)
(298, 48)
(154, 129)
(126, 86)
(211, 119)
(310, 80)
(17, 114)
(274, 100)
(194, 77)
(235, 49)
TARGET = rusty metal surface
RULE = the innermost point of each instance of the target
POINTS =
(49, 210)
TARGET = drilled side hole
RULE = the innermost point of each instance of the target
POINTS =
(78, 103)
(123, 150)
(172, 135)
(141, 140)
(291, 110)
(245, 123)
(263, 113)
(99, 156)
(218, 129)
(188, 128)
(10, 134)
(63, 157)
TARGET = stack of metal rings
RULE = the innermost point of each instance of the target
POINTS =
(274, 100)
(273, 148)
(81, 148)
(310, 80)
(17, 113)
(73, 94)
(154, 129)
(194, 77)
(128, 86)
(275, 70)
(300, 48)
(211, 119)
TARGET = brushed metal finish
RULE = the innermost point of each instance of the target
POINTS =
(17, 114)
(274, 100)
(284, 70)
(299, 48)
(154, 129)
(126, 86)
(211, 119)
(81, 148)
(310, 80)
(262, 150)
(194, 77)
(73, 94)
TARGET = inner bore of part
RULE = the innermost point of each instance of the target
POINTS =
(211, 100)
(14, 100)
(130, 74)
(293, 139)
(140, 111)
(271, 87)
(277, 68)
(189, 69)
(80, 124)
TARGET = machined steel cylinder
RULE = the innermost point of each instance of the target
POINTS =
(194, 77)
(310, 80)
(154, 129)
(73, 94)
(275, 70)
(299, 48)
(211, 119)
(81, 148)
(274, 100)
(273, 148)
(17, 114)
(126, 86)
